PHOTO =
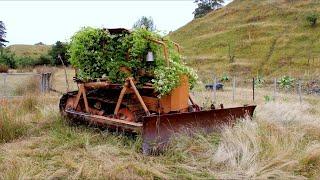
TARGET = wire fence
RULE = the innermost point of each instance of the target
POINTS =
(21, 84)
(255, 90)
(235, 89)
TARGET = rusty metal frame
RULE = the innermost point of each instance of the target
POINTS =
(178, 47)
(81, 92)
(165, 49)
(129, 84)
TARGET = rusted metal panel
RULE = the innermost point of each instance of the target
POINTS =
(104, 121)
(177, 99)
(157, 130)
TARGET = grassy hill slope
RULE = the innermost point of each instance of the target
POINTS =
(34, 51)
(271, 38)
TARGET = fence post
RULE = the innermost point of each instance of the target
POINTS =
(42, 83)
(299, 90)
(275, 89)
(253, 95)
(48, 81)
(215, 89)
(233, 88)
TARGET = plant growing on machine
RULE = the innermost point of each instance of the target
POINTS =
(97, 54)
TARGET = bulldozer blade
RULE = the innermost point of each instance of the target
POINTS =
(157, 130)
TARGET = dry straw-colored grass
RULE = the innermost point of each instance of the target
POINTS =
(282, 141)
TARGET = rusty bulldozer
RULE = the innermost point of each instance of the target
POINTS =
(139, 110)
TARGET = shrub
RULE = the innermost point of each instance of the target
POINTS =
(7, 58)
(259, 81)
(26, 61)
(312, 19)
(224, 78)
(88, 52)
(286, 82)
(267, 98)
(97, 54)
(59, 48)
(43, 60)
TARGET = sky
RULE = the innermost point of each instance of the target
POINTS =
(30, 22)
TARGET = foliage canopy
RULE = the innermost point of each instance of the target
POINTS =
(206, 6)
(2, 34)
(59, 49)
(98, 54)
(145, 22)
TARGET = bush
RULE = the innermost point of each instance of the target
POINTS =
(312, 19)
(26, 61)
(224, 78)
(97, 54)
(59, 48)
(88, 52)
(7, 59)
(286, 82)
(259, 81)
(44, 60)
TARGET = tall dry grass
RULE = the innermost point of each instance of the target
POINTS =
(282, 141)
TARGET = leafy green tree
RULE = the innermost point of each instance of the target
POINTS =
(59, 49)
(2, 36)
(206, 6)
(145, 22)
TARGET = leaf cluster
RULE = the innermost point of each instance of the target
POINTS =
(98, 54)
(286, 82)
(206, 6)
(312, 19)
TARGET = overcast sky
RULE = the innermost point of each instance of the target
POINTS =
(29, 22)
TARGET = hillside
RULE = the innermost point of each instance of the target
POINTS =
(271, 38)
(33, 51)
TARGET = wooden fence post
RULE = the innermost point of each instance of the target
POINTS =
(45, 82)
(215, 89)
(48, 82)
(253, 95)
(300, 91)
(42, 83)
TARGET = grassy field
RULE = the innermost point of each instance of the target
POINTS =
(33, 51)
(270, 38)
(281, 141)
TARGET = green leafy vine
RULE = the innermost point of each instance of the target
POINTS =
(98, 54)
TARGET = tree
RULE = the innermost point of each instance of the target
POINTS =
(145, 22)
(2, 36)
(59, 48)
(206, 6)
